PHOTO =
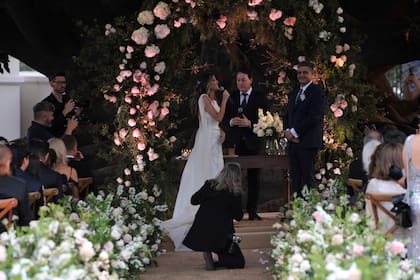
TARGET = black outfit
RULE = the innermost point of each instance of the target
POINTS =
(82, 167)
(306, 115)
(243, 139)
(32, 184)
(39, 131)
(12, 187)
(51, 179)
(59, 123)
(213, 224)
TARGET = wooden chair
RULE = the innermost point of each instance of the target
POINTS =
(375, 201)
(355, 184)
(6, 206)
(33, 197)
(84, 185)
(50, 193)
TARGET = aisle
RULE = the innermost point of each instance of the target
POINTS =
(190, 265)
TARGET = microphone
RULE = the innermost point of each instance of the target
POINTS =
(221, 89)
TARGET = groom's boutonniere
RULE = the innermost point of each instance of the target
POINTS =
(302, 96)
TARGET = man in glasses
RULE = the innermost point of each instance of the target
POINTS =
(65, 107)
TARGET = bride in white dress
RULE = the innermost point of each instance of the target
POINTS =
(204, 162)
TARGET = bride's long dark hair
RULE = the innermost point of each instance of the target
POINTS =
(202, 86)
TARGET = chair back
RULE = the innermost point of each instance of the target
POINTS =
(355, 184)
(33, 197)
(375, 201)
(84, 185)
(49, 194)
(6, 206)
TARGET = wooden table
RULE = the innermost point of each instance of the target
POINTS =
(256, 161)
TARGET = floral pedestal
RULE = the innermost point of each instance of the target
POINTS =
(275, 146)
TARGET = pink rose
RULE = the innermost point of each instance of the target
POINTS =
(405, 265)
(140, 36)
(128, 100)
(275, 14)
(397, 247)
(135, 91)
(343, 104)
(131, 122)
(133, 111)
(163, 112)
(254, 3)
(221, 22)
(122, 133)
(162, 10)
(119, 78)
(333, 107)
(141, 146)
(358, 250)
(136, 133)
(153, 90)
(318, 217)
(290, 21)
(130, 49)
(117, 141)
(162, 31)
(338, 113)
(74, 217)
(151, 51)
(117, 87)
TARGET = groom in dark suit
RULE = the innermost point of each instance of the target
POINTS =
(303, 124)
(240, 117)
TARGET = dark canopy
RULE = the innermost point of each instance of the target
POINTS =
(42, 33)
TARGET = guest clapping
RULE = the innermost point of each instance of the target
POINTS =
(212, 230)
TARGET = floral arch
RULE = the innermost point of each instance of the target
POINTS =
(169, 42)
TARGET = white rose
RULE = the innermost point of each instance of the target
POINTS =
(162, 31)
(145, 17)
(160, 68)
(337, 240)
(140, 36)
(162, 10)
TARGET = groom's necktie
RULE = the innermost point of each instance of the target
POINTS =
(244, 95)
(298, 95)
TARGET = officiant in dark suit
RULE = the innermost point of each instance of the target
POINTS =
(303, 124)
(240, 117)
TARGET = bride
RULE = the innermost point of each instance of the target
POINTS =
(204, 162)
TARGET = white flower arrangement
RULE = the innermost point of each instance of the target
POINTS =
(110, 237)
(268, 124)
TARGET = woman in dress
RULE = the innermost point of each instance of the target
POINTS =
(59, 164)
(212, 231)
(204, 162)
(411, 160)
(385, 180)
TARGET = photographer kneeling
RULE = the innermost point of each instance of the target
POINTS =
(212, 231)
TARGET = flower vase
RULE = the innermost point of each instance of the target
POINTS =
(271, 146)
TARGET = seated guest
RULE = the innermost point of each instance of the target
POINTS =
(75, 158)
(387, 178)
(212, 230)
(20, 164)
(60, 165)
(394, 135)
(11, 187)
(38, 167)
(43, 117)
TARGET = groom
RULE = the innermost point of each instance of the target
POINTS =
(240, 117)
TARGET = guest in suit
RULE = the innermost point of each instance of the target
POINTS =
(240, 117)
(38, 167)
(11, 187)
(212, 230)
(20, 164)
(75, 158)
(303, 123)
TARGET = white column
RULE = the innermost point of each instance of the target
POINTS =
(10, 101)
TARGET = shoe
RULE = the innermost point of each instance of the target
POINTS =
(254, 216)
(209, 261)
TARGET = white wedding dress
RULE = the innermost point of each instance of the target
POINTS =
(205, 162)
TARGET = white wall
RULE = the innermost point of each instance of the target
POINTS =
(19, 92)
(34, 88)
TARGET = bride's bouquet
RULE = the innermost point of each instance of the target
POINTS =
(268, 125)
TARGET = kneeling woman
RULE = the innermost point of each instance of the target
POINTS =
(212, 230)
